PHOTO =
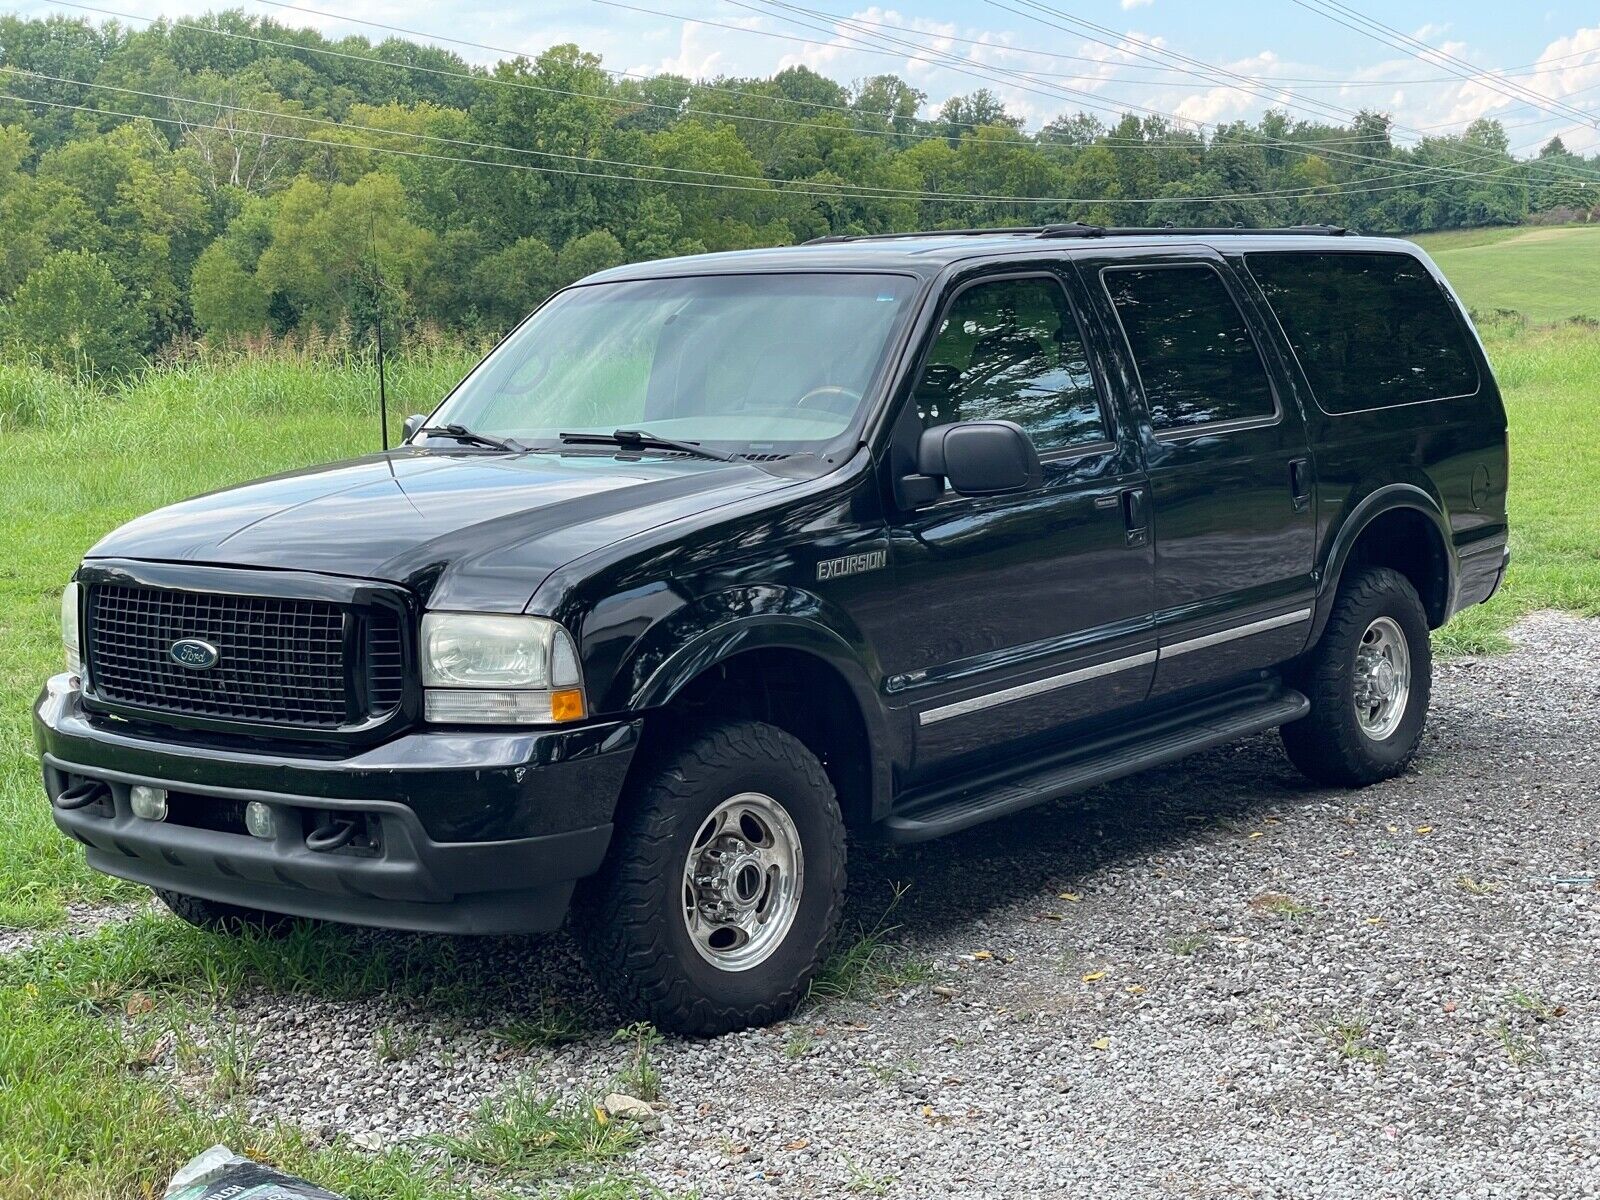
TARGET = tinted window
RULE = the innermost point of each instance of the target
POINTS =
(1370, 330)
(1196, 358)
(1011, 351)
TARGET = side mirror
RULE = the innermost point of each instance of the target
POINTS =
(413, 423)
(980, 458)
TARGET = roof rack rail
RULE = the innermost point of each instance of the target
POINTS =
(1074, 229)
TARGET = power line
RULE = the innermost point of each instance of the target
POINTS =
(480, 80)
(1293, 147)
(1205, 72)
(1420, 50)
(770, 187)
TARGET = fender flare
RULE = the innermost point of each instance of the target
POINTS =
(1388, 498)
(783, 630)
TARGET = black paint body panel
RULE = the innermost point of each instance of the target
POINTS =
(1068, 606)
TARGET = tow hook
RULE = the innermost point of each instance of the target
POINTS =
(81, 795)
(335, 835)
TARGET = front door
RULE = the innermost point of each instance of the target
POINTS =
(1228, 464)
(1023, 613)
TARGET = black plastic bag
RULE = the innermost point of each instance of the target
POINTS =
(220, 1174)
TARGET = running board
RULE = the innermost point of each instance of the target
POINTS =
(1127, 754)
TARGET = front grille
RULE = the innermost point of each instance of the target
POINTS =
(278, 662)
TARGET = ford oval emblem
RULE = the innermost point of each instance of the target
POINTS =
(194, 653)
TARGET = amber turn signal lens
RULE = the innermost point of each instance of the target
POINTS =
(567, 705)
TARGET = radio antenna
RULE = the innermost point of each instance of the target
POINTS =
(377, 309)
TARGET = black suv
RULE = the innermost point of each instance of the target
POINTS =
(717, 558)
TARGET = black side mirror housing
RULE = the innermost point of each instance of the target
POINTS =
(413, 423)
(979, 458)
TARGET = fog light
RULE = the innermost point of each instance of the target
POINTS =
(258, 820)
(149, 803)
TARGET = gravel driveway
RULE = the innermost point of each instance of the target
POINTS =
(1211, 980)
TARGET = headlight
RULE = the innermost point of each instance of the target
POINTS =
(485, 669)
(69, 629)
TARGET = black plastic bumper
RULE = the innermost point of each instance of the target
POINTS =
(460, 832)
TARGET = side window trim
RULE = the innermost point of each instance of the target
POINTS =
(1452, 303)
(1209, 428)
(1107, 415)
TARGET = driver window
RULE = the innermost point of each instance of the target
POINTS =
(1011, 351)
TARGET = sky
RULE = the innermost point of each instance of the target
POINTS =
(1050, 57)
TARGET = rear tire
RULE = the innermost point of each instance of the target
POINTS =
(723, 887)
(1369, 679)
(216, 917)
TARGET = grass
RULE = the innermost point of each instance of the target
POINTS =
(867, 963)
(525, 1133)
(1547, 273)
(1351, 1041)
(1275, 904)
(1551, 380)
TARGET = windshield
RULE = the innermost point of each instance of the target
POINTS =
(763, 361)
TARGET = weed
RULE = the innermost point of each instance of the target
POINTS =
(528, 1134)
(1476, 887)
(800, 1044)
(863, 1182)
(1188, 944)
(640, 1078)
(1519, 1047)
(1275, 904)
(548, 1024)
(870, 965)
(232, 1055)
(390, 1044)
(1350, 1038)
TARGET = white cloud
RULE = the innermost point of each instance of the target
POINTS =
(1129, 5)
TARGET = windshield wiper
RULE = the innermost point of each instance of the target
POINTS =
(638, 439)
(462, 434)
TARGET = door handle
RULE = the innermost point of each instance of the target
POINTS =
(1136, 515)
(1300, 482)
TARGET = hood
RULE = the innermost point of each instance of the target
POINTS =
(465, 529)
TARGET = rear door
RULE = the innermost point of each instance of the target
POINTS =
(1020, 614)
(1229, 469)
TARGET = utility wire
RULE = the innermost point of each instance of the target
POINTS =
(772, 187)
(1280, 144)
(1377, 31)
(1205, 72)
(481, 79)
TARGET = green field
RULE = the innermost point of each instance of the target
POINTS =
(77, 1117)
(1546, 274)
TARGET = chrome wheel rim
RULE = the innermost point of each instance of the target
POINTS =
(1382, 679)
(742, 881)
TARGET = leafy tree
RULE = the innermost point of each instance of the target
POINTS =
(594, 251)
(228, 300)
(73, 315)
(511, 282)
(335, 248)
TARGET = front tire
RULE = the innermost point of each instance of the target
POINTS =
(723, 886)
(216, 917)
(1369, 679)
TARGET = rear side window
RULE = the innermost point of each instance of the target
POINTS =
(1196, 358)
(1370, 330)
(1010, 350)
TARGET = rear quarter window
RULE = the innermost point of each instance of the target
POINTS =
(1370, 330)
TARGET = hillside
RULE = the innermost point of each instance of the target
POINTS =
(1547, 274)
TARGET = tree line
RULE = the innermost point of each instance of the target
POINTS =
(228, 177)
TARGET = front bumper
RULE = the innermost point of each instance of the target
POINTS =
(461, 832)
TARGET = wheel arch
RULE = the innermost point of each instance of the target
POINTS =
(791, 671)
(1399, 525)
